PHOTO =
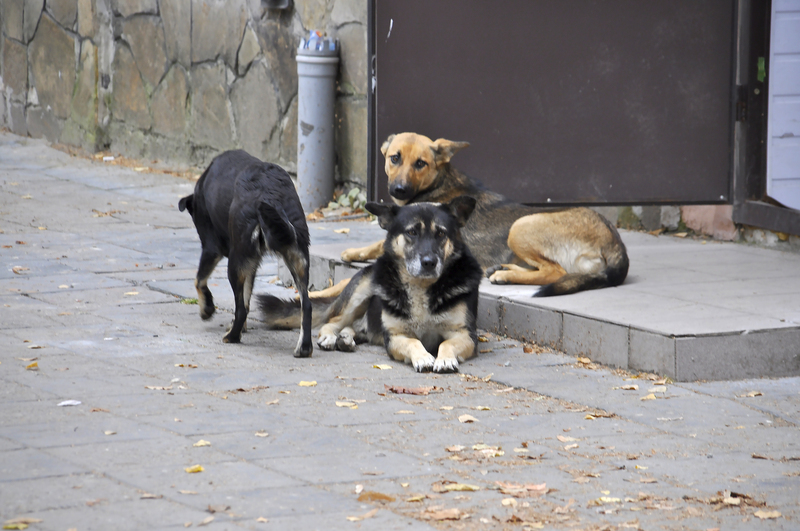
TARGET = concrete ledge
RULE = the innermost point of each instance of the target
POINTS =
(688, 310)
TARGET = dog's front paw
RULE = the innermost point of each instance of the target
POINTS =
(445, 365)
(207, 311)
(346, 341)
(327, 341)
(423, 363)
(352, 255)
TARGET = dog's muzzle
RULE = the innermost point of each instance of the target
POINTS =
(401, 191)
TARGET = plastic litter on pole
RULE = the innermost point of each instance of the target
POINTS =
(317, 65)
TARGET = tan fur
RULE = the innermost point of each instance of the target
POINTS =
(331, 331)
(542, 246)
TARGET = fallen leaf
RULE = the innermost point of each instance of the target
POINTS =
(351, 405)
(35, 347)
(584, 361)
(262, 433)
(364, 516)
(308, 384)
(527, 350)
(157, 387)
(418, 498)
(148, 496)
(201, 442)
(520, 491)
(482, 408)
(19, 270)
(651, 396)
(752, 394)
(27, 196)
(731, 501)
(564, 438)
(442, 514)
(217, 508)
(110, 432)
(571, 446)
(272, 402)
(63, 286)
(372, 496)
(99, 410)
(582, 479)
(467, 418)
(382, 367)
(759, 456)
(446, 408)
(359, 488)
(648, 480)
(33, 366)
(206, 521)
(483, 339)
(66, 403)
(261, 520)
(194, 469)
(765, 515)
(131, 293)
(680, 234)
(342, 231)
(372, 473)
(455, 487)
(629, 387)
(404, 485)
(187, 492)
(455, 448)
(405, 412)
(508, 502)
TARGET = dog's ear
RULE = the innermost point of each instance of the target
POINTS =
(385, 145)
(445, 149)
(186, 203)
(461, 207)
(385, 212)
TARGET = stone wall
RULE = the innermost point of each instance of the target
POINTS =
(177, 80)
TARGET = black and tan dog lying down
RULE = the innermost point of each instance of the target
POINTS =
(419, 299)
(244, 208)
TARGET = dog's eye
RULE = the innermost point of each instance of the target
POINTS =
(440, 234)
(412, 231)
(420, 164)
(395, 158)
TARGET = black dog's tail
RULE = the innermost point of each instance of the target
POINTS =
(277, 229)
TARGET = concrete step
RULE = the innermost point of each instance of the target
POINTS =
(691, 310)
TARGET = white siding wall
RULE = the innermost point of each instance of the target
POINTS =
(783, 132)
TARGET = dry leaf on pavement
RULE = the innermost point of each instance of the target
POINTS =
(372, 496)
(765, 515)
(33, 366)
(262, 433)
(447, 486)
(564, 438)
(342, 231)
(261, 520)
(66, 403)
(382, 367)
(412, 390)
(442, 514)
(351, 405)
(629, 387)
(202, 442)
(207, 520)
(467, 418)
(405, 412)
(308, 384)
(364, 516)
(521, 491)
(651, 396)
(455, 448)
(194, 469)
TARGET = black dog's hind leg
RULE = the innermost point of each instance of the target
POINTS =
(240, 270)
(208, 261)
(248, 293)
(297, 262)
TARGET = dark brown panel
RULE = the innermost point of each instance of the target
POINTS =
(576, 101)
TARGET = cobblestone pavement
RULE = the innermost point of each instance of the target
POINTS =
(97, 269)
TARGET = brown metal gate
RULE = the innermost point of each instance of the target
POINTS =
(569, 101)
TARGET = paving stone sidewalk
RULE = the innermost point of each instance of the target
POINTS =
(96, 265)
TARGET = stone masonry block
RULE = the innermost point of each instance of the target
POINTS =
(217, 29)
(353, 64)
(169, 102)
(84, 101)
(177, 18)
(11, 18)
(351, 139)
(33, 12)
(651, 352)
(42, 123)
(345, 11)
(312, 13)
(725, 357)
(15, 69)
(537, 325)
(52, 58)
(248, 50)
(16, 118)
(145, 36)
(211, 118)
(129, 99)
(86, 14)
(127, 8)
(279, 46)
(255, 108)
(604, 342)
(64, 11)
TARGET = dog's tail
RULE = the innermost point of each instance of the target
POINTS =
(277, 228)
(284, 314)
(614, 274)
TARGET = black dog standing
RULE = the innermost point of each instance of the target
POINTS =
(242, 209)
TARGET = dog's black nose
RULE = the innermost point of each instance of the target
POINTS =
(400, 191)
(428, 262)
